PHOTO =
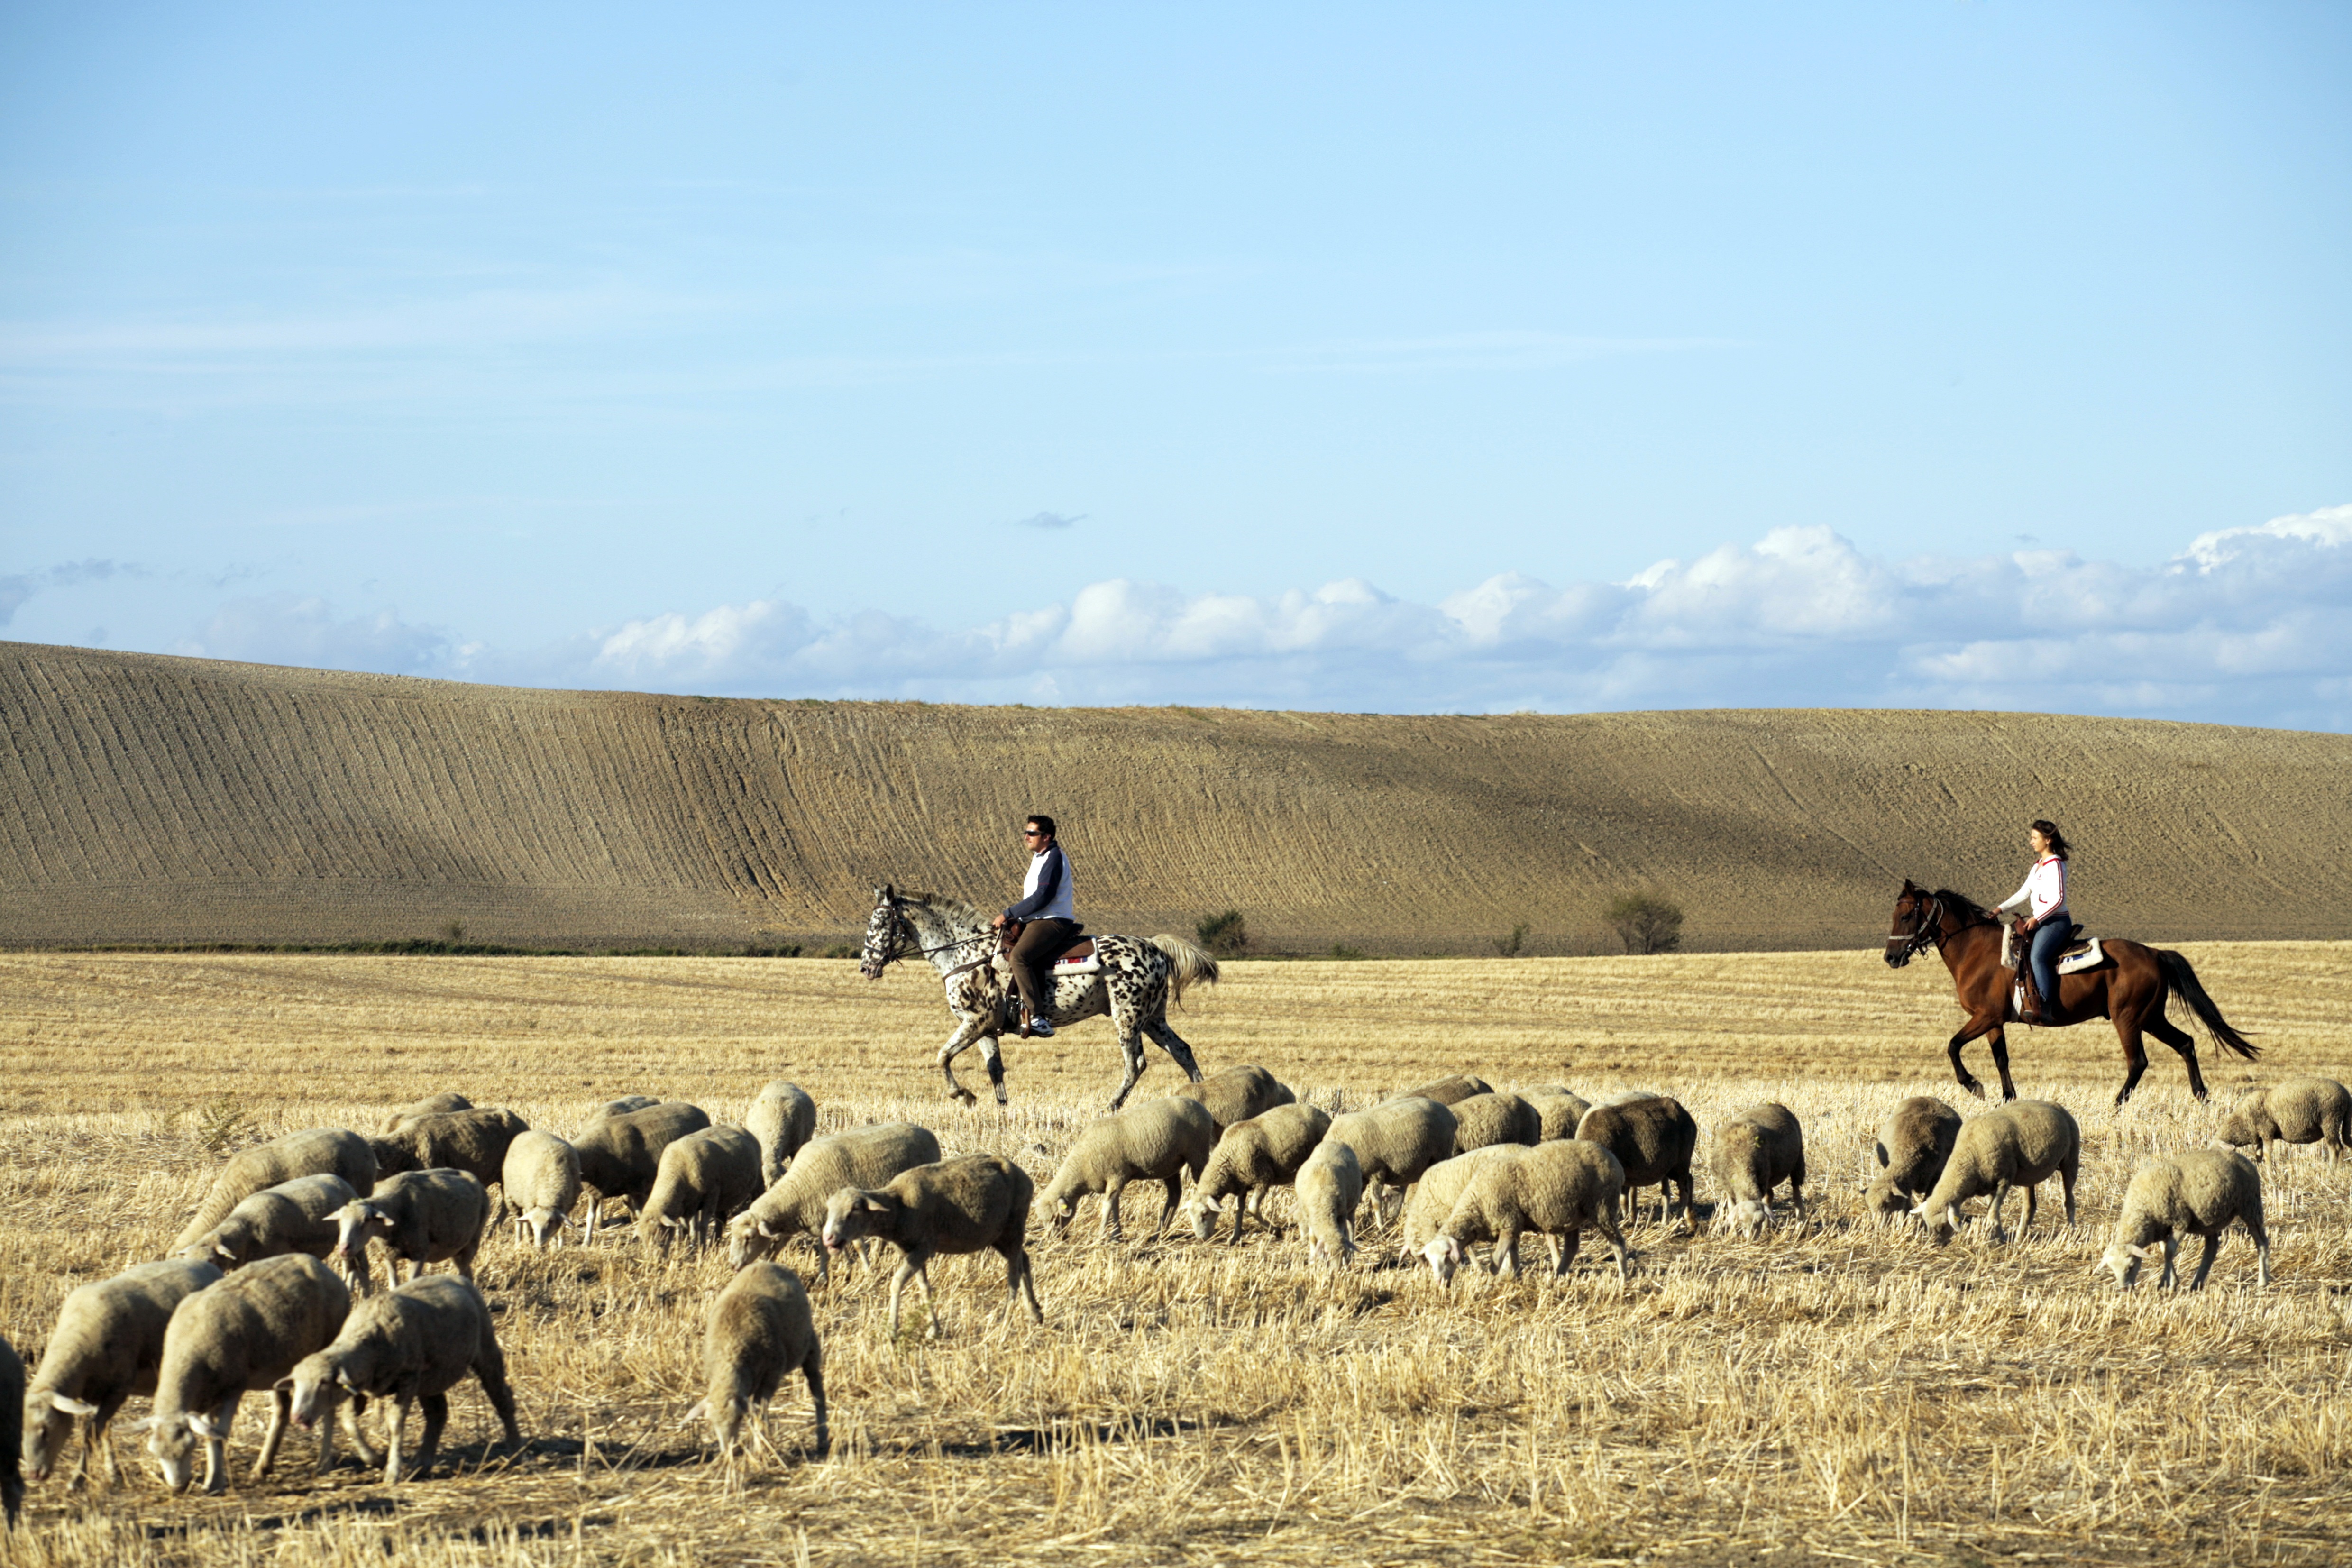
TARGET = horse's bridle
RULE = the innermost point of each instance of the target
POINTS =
(1927, 910)
(899, 923)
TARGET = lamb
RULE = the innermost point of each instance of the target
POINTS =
(2202, 1192)
(1238, 1093)
(706, 1178)
(782, 1118)
(863, 1157)
(1330, 1186)
(1755, 1152)
(1496, 1117)
(2019, 1145)
(1440, 1188)
(242, 1335)
(1653, 1138)
(107, 1346)
(292, 1216)
(1262, 1152)
(474, 1142)
(12, 1432)
(621, 1155)
(1447, 1091)
(1913, 1142)
(431, 1105)
(1158, 1141)
(758, 1330)
(424, 1216)
(1560, 1109)
(2300, 1111)
(415, 1343)
(322, 1151)
(541, 1179)
(620, 1107)
(957, 1205)
(1560, 1189)
(1395, 1142)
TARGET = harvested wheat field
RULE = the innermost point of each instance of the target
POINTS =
(1829, 1390)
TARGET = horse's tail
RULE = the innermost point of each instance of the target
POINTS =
(1189, 966)
(2181, 981)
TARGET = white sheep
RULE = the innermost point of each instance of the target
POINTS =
(706, 1178)
(620, 1155)
(422, 1216)
(292, 1216)
(781, 1117)
(2021, 1144)
(1447, 1091)
(1559, 1189)
(1754, 1152)
(1260, 1152)
(1913, 1142)
(431, 1105)
(1395, 1142)
(1654, 1138)
(1238, 1093)
(1482, 1121)
(621, 1107)
(541, 1179)
(978, 1202)
(471, 1140)
(242, 1335)
(106, 1347)
(862, 1157)
(1440, 1188)
(2300, 1111)
(1329, 1187)
(413, 1343)
(757, 1331)
(1558, 1110)
(1158, 1141)
(2201, 1193)
(320, 1150)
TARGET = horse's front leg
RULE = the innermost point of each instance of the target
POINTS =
(975, 1027)
(1969, 1031)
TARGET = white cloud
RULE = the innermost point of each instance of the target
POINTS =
(283, 629)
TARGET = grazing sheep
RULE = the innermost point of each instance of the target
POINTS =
(1558, 1188)
(620, 1107)
(1654, 1138)
(782, 1118)
(541, 1179)
(1238, 1093)
(1261, 1151)
(756, 1332)
(1330, 1186)
(1485, 1120)
(423, 1216)
(107, 1346)
(1440, 1188)
(322, 1151)
(1914, 1142)
(957, 1205)
(415, 1343)
(2300, 1111)
(2202, 1192)
(1559, 1109)
(12, 1432)
(292, 1216)
(242, 1335)
(2019, 1145)
(706, 1178)
(474, 1142)
(1395, 1142)
(431, 1105)
(863, 1157)
(621, 1155)
(1755, 1152)
(1447, 1091)
(1158, 1141)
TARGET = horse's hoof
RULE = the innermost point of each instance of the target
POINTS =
(1973, 1087)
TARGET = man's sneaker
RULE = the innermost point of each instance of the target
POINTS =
(1040, 1029)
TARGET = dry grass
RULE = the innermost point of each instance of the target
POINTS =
(1834, 1391)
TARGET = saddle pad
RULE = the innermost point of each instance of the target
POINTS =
(1090, 962)
(2075, 960)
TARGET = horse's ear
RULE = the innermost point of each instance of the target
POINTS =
(885, 894)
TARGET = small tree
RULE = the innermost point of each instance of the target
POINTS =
(1646, 923)
(1226, 935)
(1514, 945)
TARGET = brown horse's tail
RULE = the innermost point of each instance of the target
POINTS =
(2181, 981)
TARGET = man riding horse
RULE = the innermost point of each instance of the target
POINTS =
(1046, 914)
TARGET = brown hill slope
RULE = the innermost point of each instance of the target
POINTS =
(154, 799)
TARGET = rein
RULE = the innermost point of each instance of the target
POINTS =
(1930, 930)
(900, 915)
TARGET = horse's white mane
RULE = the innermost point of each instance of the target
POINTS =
(954, 911)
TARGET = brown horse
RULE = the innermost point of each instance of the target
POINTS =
(2132, 988)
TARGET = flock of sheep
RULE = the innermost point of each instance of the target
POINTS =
(247, 1303)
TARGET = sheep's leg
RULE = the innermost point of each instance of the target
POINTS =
(491, 1373)
(1175, 1193)
(465, 1260)
(1506, 1250)
(281, 1410)
(392, 1470)
(216, 1448)
(2066, 1174)
(1606, 1224)
(931, 1303)
(2253, 1223)
(1234, 1236)
(2171, 1251)
(812, 1370)
(1993, 1231)
(1110, 1226)
(1564, 1251)
(2033, 1195)
(349, 1413)
(2205, 1264)
(436, 1416)
(897, 1288)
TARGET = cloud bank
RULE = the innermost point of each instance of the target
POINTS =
(2249, 626)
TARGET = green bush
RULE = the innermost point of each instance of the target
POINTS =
(1225, 935)
(1646, 922)
(1514, 945)
(842, 950)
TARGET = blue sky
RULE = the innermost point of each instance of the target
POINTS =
(1364, 358)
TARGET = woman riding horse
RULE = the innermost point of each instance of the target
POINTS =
(2042, 900)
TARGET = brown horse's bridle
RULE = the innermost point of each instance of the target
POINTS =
(1928, 911)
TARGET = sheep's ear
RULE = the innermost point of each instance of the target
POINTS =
(144, 1424)
(872, 1203)
(72, 1406)
(205, 1427)
(284, 1385)
(765, 1229)
(693, 1414)
(2146, 1253)
(343, 1379)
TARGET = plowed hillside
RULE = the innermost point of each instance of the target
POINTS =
(153, 799)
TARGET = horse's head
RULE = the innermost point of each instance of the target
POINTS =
(888, 934)
(1918, 924)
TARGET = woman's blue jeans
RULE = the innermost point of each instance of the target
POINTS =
(2049, 940)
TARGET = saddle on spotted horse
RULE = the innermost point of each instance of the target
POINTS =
(2025, 1003)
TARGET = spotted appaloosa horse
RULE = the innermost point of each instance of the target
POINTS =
(2132, 988)
(1137, 980)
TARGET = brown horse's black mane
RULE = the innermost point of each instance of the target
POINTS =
(1969, 911)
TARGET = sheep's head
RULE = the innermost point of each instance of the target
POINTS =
(2122, 1259)
(749, 1240)
(1204, 1214)
(316, 1386)
(2238, 1131)
(1884, 1202)
(173, 1444)
(1444, 1255)
(851, 1216)
(48, 1422)
(1943, 1225)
